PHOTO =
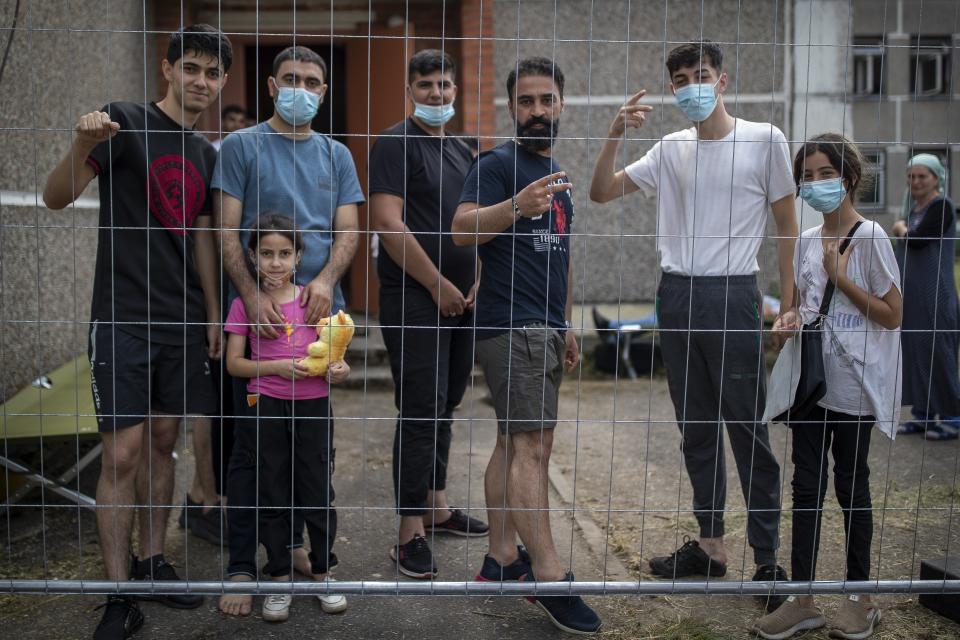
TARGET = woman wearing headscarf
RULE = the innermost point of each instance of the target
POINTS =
(931, 313)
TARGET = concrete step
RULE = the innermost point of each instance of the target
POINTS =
(367, 349)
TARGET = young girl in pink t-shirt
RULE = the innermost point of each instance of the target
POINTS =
(292, 412)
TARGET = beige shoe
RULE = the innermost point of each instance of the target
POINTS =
(790, 618)
(855, 619)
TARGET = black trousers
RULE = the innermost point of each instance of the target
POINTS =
(243, 534)
(710, 337)
(296, 473)
(848, 437)
(431, 359)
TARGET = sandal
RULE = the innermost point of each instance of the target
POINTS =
(940, 431)
(907, 428)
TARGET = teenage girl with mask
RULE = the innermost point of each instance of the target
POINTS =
(861, 361)
(931, 317)
(291, 426)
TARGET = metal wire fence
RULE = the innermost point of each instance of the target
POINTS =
(619, 483)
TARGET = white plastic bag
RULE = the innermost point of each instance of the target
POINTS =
(782, 388)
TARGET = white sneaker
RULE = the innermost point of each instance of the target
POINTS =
(276, 608)
(332, 603)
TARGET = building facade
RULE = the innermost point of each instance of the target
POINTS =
(884, 72)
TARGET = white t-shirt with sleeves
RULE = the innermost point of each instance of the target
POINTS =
(714, 196)
(861, 358)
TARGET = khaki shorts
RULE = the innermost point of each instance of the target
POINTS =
(524, 368)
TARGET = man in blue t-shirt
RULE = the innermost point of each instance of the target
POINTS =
(516, 207)
(282, 166)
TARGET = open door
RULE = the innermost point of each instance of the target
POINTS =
(376, 69)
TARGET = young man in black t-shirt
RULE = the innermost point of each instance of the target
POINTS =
(427, 288)
(155, 288)
(516, 207)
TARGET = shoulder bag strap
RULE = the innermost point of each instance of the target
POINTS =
(828, 292)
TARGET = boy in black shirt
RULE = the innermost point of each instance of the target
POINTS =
(154, 290)
(427, 287)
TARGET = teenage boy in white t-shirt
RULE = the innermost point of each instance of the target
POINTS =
(714, 183)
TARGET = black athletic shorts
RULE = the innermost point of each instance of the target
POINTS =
(132, 378)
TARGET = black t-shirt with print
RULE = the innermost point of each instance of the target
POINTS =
(154, 179)
(524, 269)
(406, 162)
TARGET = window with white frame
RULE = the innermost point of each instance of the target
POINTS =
(868, 66)
(930, 66)
(873, 189)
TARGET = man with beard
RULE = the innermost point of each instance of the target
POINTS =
(516, 207)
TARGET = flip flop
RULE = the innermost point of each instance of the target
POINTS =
(939, 431)
(907, 428)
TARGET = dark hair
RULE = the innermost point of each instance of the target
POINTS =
(232, 108)
(201, 39)
(274, 223)
(301, 53)
(535, 66)
(690, 54)
(429, 60)
(844, 156)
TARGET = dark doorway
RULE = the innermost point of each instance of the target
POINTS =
(332, 117)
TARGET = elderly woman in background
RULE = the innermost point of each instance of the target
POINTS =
(931, 314)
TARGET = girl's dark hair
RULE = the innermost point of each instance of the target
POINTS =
(272, 223)
(844, 156)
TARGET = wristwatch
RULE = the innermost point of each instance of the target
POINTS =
(568, 324)
(516, 209)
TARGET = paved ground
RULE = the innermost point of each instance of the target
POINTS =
(616, 454)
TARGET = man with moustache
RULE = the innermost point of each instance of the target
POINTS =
(516, 208)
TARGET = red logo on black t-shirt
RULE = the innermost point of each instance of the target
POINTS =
(559, 216)
(177, 192)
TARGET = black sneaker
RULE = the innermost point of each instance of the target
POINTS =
(414, 558)
(493, 571)
(156, 569)
(460, 524)
(121, 619)
(769, 573)
(208, 526)
(188, 506)
(688, 560)
(568, 613)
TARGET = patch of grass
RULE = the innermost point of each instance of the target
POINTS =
(683, 629)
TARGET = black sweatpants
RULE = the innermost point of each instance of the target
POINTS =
(711, 344)
(296, 470)
(431, 359)
(848, 437)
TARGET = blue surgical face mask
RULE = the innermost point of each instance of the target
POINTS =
(697, 101)
(824, 195)
(433, 116)
(297, 106)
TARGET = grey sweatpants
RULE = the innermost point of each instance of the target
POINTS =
(710, 336)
